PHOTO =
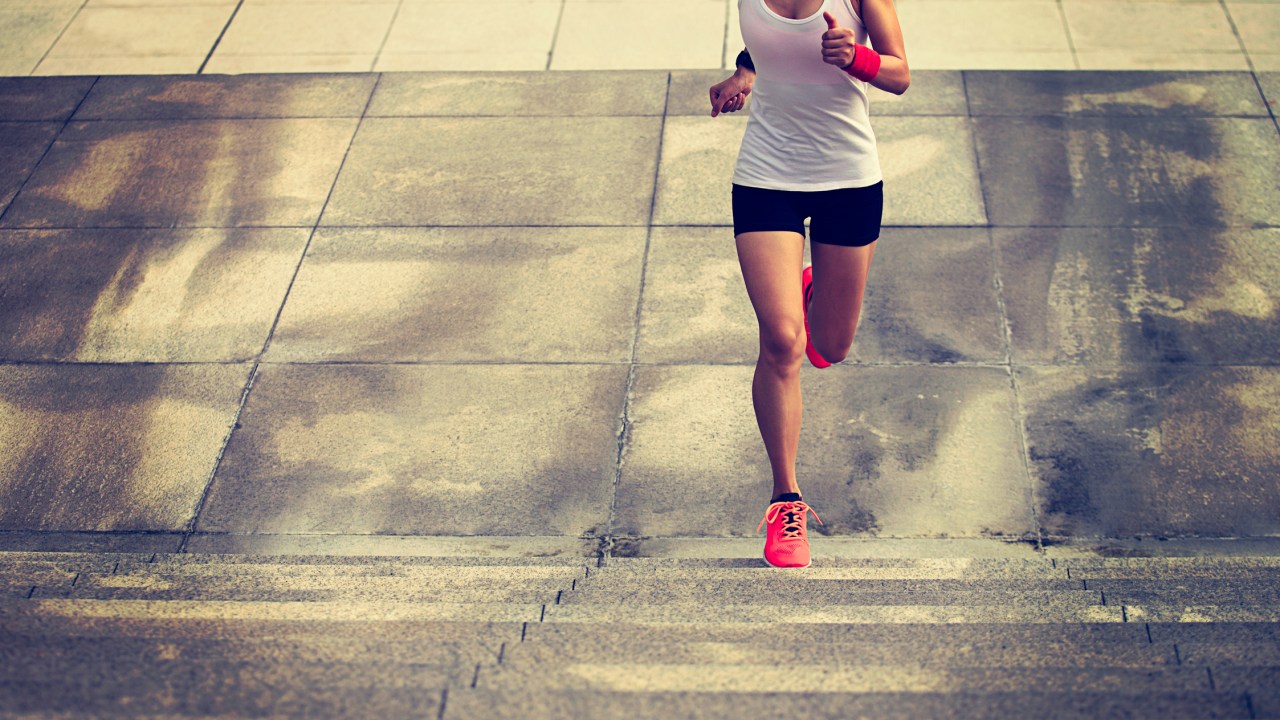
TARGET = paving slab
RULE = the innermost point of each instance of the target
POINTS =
(1112, 94)
(315, 28)
(707, 595)
(1130, 171)
(886, 451)
(49, 99)
(932, 92)
(444, 462)
(22, 145)
(464, 294)
(930, 171)
(623, 569)
(931, 298)
(868, 614)
(829, 549)
(748, 586)
(30, 30)
(524, 547)
(299, 612)
(312, 590)
(1150, 295)
(522, 94)
(917, 634)
(111, 447)
(1189, 613)
(659, 34)
(1160, 449)
(523, 703)
(194, 97)
(233, 689)
(142, 542)
(1239, 654)
(1260, 683)
(1214, 633)
(208, 295)
(1270, 84)
(531, 655)
(203, 173)
(497, 171)
(746, 678)
(25, 656)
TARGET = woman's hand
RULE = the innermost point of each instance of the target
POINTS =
(731, 94)
(837, 43)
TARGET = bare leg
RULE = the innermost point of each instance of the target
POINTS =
(771, 270)
(839, 279)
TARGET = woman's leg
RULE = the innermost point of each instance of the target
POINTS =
(839, 278)
(771, 269)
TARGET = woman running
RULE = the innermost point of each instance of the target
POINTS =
(808, 152)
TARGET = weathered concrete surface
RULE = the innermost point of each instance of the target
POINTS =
(1150, 295)
(52, 99)
(21, 147)
(125, 447)
(1154, 450)
(204, 173)
(930, 171)
(1110, 94)
(199, 295)
(498, 171)
(152, 97)
(525, 94)
(1130, 171)
(886, 451)
(462, 294)
(932, 298)
(459, 450)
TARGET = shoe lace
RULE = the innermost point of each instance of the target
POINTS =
(792, 515)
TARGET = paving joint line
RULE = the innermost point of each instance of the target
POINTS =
(257, 363)
(1006, 334)
(218, 41)
(555, 36)
(1066, 28)
(385, 37)
(56, 40)
(1253, 70)
(624, 421)
(53, 141)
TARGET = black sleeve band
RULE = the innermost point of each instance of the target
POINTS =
(744, 60)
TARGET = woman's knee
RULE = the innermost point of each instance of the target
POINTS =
(783, 345)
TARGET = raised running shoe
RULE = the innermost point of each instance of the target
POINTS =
(809, 350)
(785, 543)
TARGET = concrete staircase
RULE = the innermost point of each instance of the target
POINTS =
(96, 635)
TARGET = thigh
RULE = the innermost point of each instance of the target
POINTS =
(839, 280)
(771, 270)
(849, 217)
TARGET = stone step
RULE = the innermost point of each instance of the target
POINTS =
(12, 563)
(304, 588)
(714, 630)
(53, 627)
(21, 651)
(1168, 611)
(625, 676)
(524, 704)
(175, 567)
(194, 692)
(815, 652)
(1229, 564)
(1220, 632)
(829, 596)
(1261, 683)
(1238, 654)
(841, 568)
(779, 582)
(296, 611)
(1053, 612)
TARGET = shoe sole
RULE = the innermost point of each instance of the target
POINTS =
(787, 567)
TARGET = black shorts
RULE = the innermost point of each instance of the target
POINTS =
(848, 216)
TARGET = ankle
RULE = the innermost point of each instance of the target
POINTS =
(792, 495)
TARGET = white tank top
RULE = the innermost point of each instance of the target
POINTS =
(809, 127)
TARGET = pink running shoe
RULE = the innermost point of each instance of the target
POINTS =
(814, 356)
(785, 542)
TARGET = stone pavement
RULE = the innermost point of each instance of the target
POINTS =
(91, 37)
(496, 319)
(239, 312)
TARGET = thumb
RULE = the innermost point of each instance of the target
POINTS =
(831, 20)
